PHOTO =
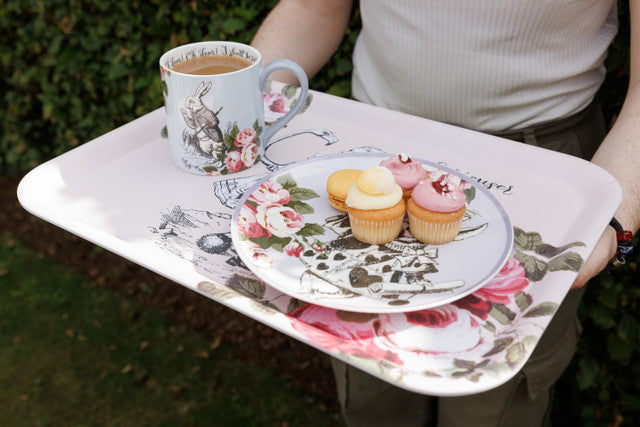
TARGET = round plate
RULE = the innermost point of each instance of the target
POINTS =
(287, 233)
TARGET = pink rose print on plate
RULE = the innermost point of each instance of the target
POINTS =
(294, 248)
(270, 192)
(245, 137)
(507, 283)
(280, 220)
(248, 223)
(259, 257)
(233, 161)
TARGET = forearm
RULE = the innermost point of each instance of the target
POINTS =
(619, 153)
(305, 31)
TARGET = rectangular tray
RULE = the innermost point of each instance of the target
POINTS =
(121, 191)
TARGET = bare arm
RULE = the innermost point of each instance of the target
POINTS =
(619, 154)
(305, 31)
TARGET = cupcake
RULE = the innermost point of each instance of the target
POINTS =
(406, 172)
(376, 207)
(436, 208)
(338, 185)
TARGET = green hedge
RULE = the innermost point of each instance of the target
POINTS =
(74, 70)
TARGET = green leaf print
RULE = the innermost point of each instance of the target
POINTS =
(311, 229)
(542, 309)
(569, 261)
(526, 241)
(298, 193)
(300, 207)
(287, 182)
(534, 268)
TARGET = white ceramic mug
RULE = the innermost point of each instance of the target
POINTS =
(215, 122)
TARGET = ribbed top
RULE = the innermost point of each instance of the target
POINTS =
(483, 64)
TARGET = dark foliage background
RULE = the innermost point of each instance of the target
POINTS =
(73, 70)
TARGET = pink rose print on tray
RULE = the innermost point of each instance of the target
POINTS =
(277, 104)
(273, 217)
(487, 332)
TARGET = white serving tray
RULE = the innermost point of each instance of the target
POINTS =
(122, 192)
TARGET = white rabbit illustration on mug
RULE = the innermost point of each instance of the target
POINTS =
(215, 122)
(204, 123)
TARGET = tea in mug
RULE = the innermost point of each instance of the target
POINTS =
(211, 64)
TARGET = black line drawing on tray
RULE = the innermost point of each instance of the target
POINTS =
(230, 191)
(326, 135)
(202, 237)
(394, 272)
(205, 132)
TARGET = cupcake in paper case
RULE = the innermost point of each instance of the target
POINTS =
(376, 207)
(406, 172)
(436, 208)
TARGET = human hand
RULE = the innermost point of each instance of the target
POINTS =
(603, 253)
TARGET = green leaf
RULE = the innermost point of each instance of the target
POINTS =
(505, 311)
(470, 194)
(295, 303)
(341, 88)
(588, 369)
(489, 326)
(232, 25)
(526, 241)
(298, 193)
(249, 287)
(542, 309)
(499, 345)
(300, 207)
(628, 328)
(256, 126)
(274, 242)
(603, 316)
(287, 182)
(289, 91)
(535, 269)
(619, 349)
(311, 229)
(515, 354)
(523, 300)
(569, 261)
(216, 291)
(464, 364)
(502, 314)
(549, 251)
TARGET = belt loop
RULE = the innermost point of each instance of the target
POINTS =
(530, 137)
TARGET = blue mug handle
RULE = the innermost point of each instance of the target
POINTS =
(284, 64)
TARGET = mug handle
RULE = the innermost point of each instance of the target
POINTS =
(289, 65)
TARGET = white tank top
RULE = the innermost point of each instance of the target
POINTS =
(484, 64)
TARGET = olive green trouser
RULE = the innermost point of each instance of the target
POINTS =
(526, 399)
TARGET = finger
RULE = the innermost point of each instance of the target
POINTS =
(603, 252)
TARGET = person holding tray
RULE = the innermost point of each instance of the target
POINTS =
(525, 70)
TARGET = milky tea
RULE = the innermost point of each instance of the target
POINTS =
(211, 64)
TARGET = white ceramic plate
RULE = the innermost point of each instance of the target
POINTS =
(287, 233)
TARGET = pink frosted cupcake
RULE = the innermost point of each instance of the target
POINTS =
(436, 208)
(406, 172)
